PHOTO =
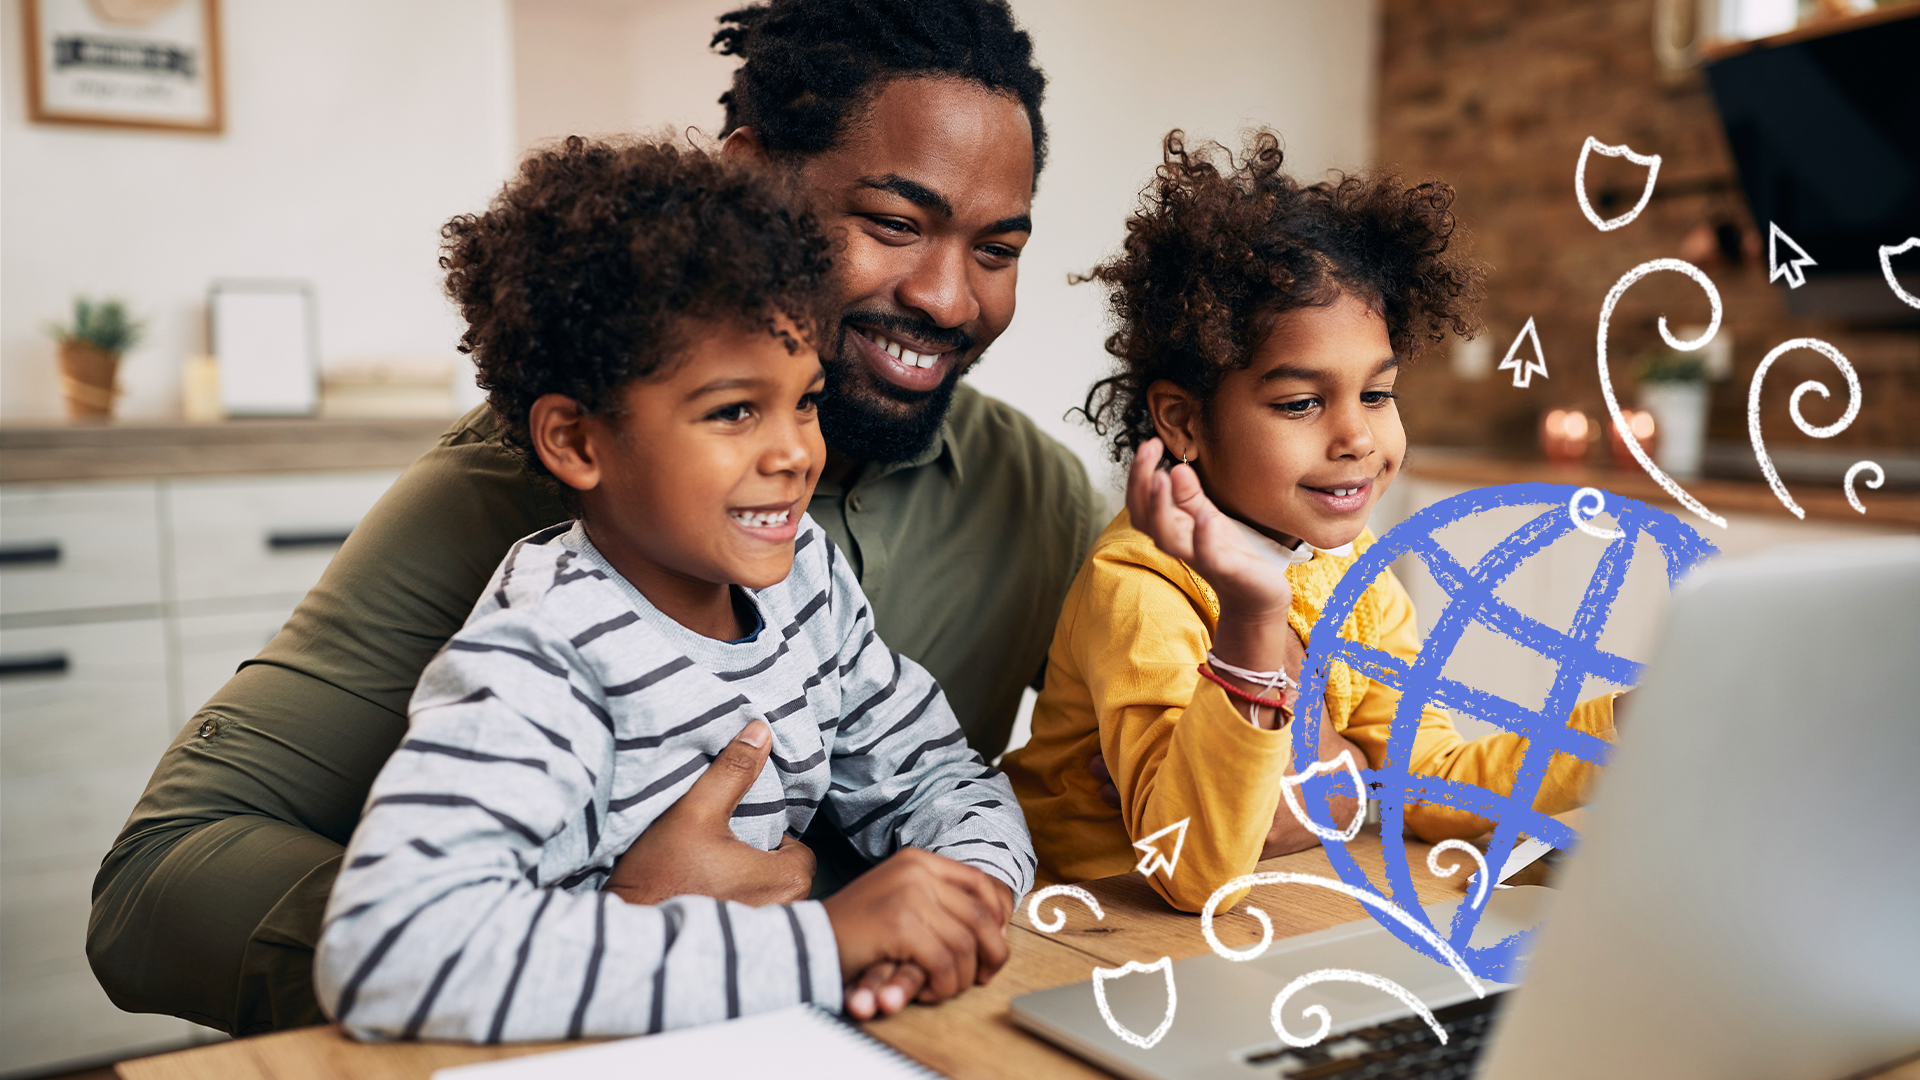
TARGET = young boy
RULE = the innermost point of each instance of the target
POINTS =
(644, 320)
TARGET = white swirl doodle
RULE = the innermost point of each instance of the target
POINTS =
(1879, 477)
(1599, 500)
(1373, 900)
(1326, 1019)
(1793, 410)
(1059, 916)
(1887, 252)
(1288, 783)
(1485, 878)
(1100, 977)
(1606, 383)
(1651, 161)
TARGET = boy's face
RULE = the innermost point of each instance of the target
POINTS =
(704, 479)
(1303, 441)
(931, 188)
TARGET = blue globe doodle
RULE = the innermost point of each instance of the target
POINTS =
(1575, 651)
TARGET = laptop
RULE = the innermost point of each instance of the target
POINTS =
(1744, 903)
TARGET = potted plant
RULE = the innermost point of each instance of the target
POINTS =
(90, 349)
(1673, 387)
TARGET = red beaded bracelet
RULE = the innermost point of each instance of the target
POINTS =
(1278, 706)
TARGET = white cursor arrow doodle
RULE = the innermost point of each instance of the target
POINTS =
(1794, 269)
(1150, 857)
(1523, 372)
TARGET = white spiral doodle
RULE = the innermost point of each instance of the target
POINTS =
(1288, 783)
(1879, 477)
(1059, 916)
(1651, 161)
(1163, 965)
(1606, 383)
(1599, 500)
(1373, 900)
(1485, 878)
(1326, 1019)
(1799, 421)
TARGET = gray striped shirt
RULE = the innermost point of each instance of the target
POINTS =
(563, 719)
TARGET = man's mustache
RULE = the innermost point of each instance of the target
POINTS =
(919, 329)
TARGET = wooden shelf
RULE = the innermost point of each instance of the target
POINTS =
(1720, 50)
(152, 451)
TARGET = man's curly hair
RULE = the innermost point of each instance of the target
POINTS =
(809, 63)
(1217, 250)
(586, 271)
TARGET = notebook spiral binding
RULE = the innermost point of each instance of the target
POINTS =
(910, 1066)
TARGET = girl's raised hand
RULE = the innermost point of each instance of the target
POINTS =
(1173, 509)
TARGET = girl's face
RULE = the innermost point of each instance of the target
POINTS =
(1301, 443)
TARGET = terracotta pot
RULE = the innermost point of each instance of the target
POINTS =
(87, 377)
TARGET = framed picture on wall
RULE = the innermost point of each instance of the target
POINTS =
(124, 63)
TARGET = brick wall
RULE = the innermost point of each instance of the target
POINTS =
(1496, 97)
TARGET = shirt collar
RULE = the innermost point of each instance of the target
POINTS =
(1290, 556)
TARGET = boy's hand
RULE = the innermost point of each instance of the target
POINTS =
(691, 851)
(918, 910)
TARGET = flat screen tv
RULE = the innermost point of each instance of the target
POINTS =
(1826, 134)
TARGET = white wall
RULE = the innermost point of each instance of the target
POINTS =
(1122, 72)
(354, 129)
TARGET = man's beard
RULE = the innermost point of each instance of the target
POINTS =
(861, 414)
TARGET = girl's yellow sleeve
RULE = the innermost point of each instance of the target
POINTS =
(1490, 761)
(1175, 744)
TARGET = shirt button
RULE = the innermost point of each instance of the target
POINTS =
(853, 503)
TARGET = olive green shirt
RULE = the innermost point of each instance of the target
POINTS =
(209, 904)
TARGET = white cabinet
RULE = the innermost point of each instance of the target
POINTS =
(78, 546)
(123, 607)
(261, 536)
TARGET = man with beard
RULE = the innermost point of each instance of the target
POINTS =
(914, 128)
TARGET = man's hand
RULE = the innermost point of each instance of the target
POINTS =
(918, 926)
(691, 851)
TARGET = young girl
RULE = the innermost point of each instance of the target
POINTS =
(1262, 324)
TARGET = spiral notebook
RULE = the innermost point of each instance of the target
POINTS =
(800, 1043)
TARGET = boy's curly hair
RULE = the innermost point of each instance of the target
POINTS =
(809, 62)
(1214, 253)
(583, 273)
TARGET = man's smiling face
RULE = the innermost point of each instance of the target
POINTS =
(929, 189)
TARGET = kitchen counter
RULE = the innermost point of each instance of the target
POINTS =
(70, 452)
(1821, 501)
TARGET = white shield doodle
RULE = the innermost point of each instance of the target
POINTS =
(1100, 977)
(1651, 161)
(1887, 252)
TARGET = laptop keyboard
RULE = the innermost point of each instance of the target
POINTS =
(1403, 1049)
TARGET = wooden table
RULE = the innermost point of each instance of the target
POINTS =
(966, 1038)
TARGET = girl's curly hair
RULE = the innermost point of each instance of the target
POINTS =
(1217, 250)
(585, 271)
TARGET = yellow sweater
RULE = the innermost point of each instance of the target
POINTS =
(1123, 681)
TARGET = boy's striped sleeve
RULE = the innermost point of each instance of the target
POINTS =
(903, 774)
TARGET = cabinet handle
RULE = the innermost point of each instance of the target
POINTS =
(15, 555)
(319, 538)
(14, 667)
